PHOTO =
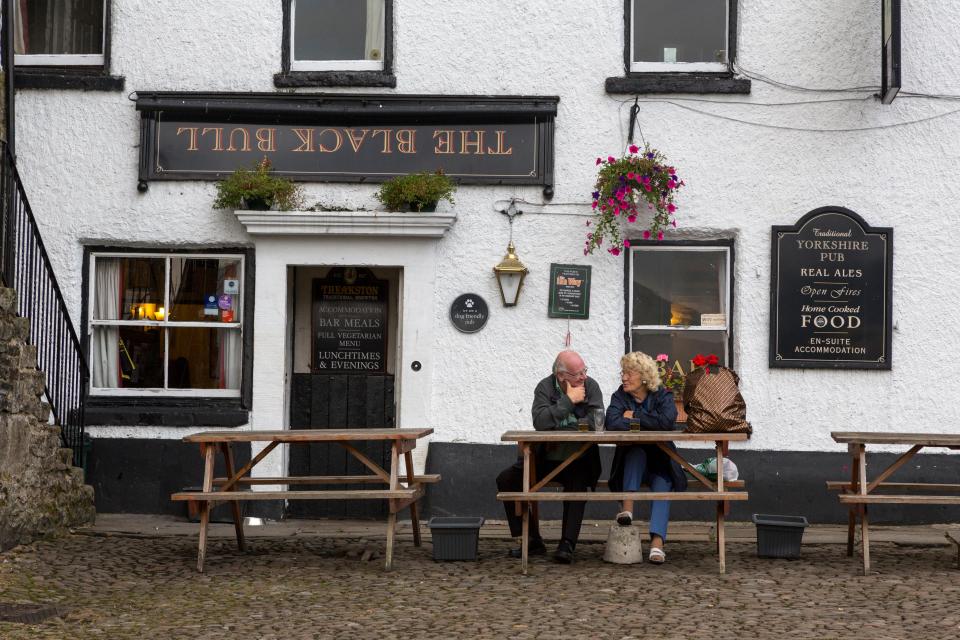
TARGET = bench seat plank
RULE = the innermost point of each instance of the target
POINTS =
(297, 480)
(855, 498)
(923, 439)
(360, 494)
(692, 484)
(309, 435)
(591, 496)
(841, 485)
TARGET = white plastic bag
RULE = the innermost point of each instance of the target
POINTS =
(709, 468)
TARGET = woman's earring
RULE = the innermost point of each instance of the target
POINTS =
(643, 382)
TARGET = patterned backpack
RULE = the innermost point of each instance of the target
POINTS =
(712, 399)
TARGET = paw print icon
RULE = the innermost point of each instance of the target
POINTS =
(468, 303)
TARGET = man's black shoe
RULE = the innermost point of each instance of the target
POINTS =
(564, 552)
(534, 548)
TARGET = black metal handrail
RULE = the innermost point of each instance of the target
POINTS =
(26, 268)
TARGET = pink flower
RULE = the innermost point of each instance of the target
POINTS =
(630, 175)
(659, 235)
(634, 148)
(626, 243)
(631, 218)
(594, 204)
(673, 222)
(584, 252)
(614, 251)
(646, 235)
(662, 357)
(671, 208)
(647, 188)
(599, 160)
(671, 184)
(611, 159)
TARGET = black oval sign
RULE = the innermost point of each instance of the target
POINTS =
(469, 313)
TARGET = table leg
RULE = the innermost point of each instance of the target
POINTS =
(861, 453)
(392, 518)
(852, 515)
(208, 453)
(414, 521)
(525, 538)
(721, 537)
(227, 451)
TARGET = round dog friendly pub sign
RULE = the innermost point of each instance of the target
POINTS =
(469, 313)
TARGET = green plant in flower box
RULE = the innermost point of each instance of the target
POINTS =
(258, 189)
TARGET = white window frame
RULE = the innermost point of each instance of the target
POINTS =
(67, 59)
(680, 67)
(677, 327)
(165, 323)
(328, 65)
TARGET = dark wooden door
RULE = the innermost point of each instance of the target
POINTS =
(323, 401)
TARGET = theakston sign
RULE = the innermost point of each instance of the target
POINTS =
(348, 138)
(830, 292)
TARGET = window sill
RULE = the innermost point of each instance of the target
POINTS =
(165, 412)
(335, 79)
(66, 78)
(699, 83)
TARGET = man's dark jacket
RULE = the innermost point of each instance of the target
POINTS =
(551, 406)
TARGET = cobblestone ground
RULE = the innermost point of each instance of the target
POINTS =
(144, 588)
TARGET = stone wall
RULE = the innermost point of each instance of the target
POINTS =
(41, 493)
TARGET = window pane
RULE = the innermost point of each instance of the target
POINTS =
(127, 357)
(672, 288)
(338, 29)
(205, 290)
(680, 30)
(128, 288)
(55, 27)
(205, 358)
(681, 345)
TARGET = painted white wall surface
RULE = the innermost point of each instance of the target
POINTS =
(749, 162)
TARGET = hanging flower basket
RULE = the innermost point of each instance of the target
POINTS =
(636, 186)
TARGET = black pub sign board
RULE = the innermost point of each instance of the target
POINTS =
(349, 321)
(830, 292)
(569, 291)
(348, 137)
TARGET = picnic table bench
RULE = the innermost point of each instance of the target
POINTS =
(400, 492)
(720, 491)
(858, 492)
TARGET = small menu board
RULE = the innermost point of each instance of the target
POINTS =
(830, 292)
(569, 291)
(469, 313)
(349, 318)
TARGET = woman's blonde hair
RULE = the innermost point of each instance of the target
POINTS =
(639, 362)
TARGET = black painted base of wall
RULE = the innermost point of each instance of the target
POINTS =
(138, 476)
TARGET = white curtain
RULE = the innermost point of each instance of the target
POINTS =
(19, 44)
(231, 349)
(106, 340)
(374, 35)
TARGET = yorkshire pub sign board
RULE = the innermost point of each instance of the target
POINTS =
(830, 292)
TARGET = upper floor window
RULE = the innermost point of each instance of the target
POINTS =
(337, 35)
(679, 36)
(680, 300)
(166, 325)
(59, 32)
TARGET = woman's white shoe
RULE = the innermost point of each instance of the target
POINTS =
(657, 556)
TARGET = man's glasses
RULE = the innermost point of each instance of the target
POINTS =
(574, 374)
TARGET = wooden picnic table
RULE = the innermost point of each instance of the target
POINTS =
(859, 492)
(719, 490)
(401, 492)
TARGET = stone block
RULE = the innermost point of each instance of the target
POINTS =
(624, 545)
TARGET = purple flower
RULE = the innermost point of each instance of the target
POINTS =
(595, 195)
(650, 156)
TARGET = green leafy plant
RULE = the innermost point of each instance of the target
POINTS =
(632, 187)
(416, 191)
(258, 189)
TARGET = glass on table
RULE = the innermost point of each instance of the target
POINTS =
(583, 424)
(598, 416)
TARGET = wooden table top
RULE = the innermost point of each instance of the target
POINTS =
(879, 437)
(308, 435)
(620, 437)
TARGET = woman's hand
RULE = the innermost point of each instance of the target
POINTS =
(627, 415)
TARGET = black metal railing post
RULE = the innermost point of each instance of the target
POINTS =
(26, 267)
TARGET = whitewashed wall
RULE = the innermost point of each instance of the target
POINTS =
(78, 156)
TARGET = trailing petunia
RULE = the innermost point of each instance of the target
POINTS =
(627, 188)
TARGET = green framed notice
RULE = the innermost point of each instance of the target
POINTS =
(569, 291)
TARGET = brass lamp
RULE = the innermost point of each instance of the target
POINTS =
(510, 274)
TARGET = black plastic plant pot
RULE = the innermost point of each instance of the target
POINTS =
(779, 536)
(455, 538)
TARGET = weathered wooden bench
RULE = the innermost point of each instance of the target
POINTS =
(401, 492)
(859, 492)
(954, 537)
(700, 489)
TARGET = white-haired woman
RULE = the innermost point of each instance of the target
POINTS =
(643, 400)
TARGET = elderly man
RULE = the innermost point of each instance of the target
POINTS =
(559, 401)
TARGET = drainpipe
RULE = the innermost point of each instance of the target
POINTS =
(8, 75)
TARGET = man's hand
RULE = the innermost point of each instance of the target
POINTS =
(576, 394)
(627, 415)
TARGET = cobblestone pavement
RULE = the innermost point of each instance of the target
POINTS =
(313, 587)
